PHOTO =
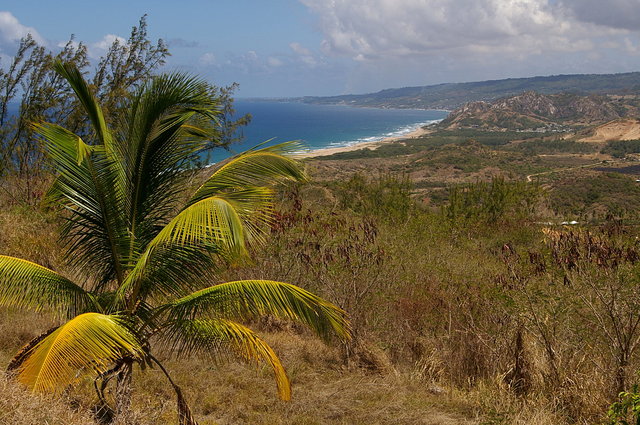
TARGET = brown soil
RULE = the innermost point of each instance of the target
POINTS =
(623, 129)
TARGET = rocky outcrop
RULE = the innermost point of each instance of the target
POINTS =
(531, 110)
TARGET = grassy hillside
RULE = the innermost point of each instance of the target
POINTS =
(456, 310)
(453, 95)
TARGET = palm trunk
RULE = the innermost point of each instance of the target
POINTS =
(123, 392)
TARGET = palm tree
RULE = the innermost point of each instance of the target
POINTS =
(143, 255)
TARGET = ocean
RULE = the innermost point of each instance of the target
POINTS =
(320, 126)
(324, 126)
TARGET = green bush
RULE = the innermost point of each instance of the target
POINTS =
(387, 196)
(626, 410)
(620, 148)
(490, 203)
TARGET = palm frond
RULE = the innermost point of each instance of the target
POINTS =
(177, 270)
(217, 337)
(170, 120)
(25, 284)
(86, 184)
(252, 298)
(255, 167)
(89, 102)
(254, 207)
(212, 222)
(68, 143)
(87, 343)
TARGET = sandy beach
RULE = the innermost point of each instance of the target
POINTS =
(370, 145)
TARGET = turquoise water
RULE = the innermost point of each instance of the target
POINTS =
(323, 126)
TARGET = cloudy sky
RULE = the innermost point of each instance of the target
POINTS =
(324, 47)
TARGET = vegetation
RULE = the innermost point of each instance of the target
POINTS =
(31, 91)
(453, 95)
(595, 195)
(436, 140)
(620, 149)
(541, 147)
(491, 203)
(479, 321)
(144, 257)
(469, 301)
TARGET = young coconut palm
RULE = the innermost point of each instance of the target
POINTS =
(147, 259)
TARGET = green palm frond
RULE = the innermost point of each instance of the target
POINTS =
(170, 121)
(218, 337)
(89, 343)
(68, 144)
(177, 270)
(251, 298)
(25, 284)
(89, 102)
(94, 232)
(210, 222)
(257, 167)
(92, 186)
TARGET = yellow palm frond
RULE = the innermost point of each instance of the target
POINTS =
(219, 337)
(255, 167)
(252, 298)
(210, 221)
(88, 343)
(25, 284)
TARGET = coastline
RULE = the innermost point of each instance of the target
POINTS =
(365, 145)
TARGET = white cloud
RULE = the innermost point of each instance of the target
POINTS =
(303, 54)
(274, 62)
(299, 49)
(99, 48)
(11, 30)
(207, 59)
(631, 47)
(378, 29)
(107, 41)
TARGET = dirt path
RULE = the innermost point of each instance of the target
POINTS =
(563, 169)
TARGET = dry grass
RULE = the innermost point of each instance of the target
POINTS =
(17, 406)
(437, 329)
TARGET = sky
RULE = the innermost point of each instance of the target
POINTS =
(282, 48)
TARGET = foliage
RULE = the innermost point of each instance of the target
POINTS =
(491, 203)
(31, 91)
(143, 255)
(621, 148)
(554, 146)
(595, 195)
(627, 407)
(387, 197)
(437, 138)
(337, 254)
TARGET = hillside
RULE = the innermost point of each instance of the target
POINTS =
(617, 130)
(454, 95)
(535, 111)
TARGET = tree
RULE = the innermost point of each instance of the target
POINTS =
(145, 254)
(38, 93)
(31, 91)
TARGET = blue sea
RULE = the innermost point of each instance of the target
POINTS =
(320, 126)
(324, 126)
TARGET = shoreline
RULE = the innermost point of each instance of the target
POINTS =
(364, 145)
